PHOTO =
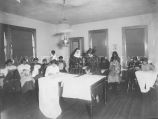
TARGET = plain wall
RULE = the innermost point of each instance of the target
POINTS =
(114, 27)
(45, 38)
(46, 41)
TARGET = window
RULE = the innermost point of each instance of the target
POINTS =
(98, 39)
(20, 41)
(135, 41)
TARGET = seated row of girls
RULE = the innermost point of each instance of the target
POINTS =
(28, 72)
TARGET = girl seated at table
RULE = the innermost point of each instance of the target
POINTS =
(9, 66)
(52, 68)
(35, 68)
(27, 81)
(43, 67)
(11, 82)
(147, 66)
(61, 64)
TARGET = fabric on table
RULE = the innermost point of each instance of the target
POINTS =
(80, 87)
(146, 80)
(74, 86)
(49, 95)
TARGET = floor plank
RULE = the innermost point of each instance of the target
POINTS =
(120, 105)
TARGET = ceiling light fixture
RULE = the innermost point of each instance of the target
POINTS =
(64, 28)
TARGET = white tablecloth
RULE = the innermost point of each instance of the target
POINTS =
(49, 95)
(80, 87)
(73, 87)
(146, 80)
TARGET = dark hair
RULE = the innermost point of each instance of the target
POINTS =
(115, 56)
(23, 59)
(93, 50)
(89, 51)
(8, 61)
(35, 59)
(53, 62)
(135, 58)
(145, 59)
(53, 51)
(44, 60)
(60, 57)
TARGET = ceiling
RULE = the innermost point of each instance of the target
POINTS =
(94, 10)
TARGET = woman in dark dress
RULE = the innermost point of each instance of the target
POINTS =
(12, 78)
(43, 67)
(75, 62)
(92, 61)
(104, 66)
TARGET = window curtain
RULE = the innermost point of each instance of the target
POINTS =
(135, 43)
(22, 43)
(16, 42)
(2, 52)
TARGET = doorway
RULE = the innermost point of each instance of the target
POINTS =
(76, 42)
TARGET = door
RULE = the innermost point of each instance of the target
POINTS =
(76, 42)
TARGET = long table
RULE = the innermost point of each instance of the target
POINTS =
(91, 88)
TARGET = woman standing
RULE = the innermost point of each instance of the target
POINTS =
(75, 62)
(114, 70)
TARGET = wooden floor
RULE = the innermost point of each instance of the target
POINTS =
(120, 105)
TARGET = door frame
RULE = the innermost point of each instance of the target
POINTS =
(81, 43)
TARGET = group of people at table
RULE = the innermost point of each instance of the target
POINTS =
(24, 76)
(78, 64)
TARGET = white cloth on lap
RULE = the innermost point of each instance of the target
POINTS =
(23, 67)
(36, 70)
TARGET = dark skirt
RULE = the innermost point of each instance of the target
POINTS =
(11, 82)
